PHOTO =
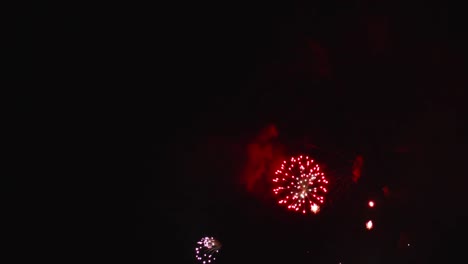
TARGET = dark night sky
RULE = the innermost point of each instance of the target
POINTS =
(360, 77)
(385, 79)
(386, 75)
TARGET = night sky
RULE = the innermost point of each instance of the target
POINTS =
(381, 79)
(199, 82)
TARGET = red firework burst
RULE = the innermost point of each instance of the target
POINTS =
(300, 185)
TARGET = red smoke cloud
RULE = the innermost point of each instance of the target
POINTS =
(262, 153)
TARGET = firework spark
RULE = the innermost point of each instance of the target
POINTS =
(300, 185)
(207, 249)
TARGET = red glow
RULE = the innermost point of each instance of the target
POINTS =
(260, 153)
(371, 204)
(357, 168)
(386, 191)
(369, 225)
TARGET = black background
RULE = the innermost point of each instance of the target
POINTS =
(165, 80)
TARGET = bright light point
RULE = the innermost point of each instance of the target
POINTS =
(315, 208)
(371, 204)
(369, 224)
(408, 244)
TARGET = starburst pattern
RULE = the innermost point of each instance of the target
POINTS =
(300, 185)
(206, 250)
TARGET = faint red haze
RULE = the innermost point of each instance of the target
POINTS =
(262, 154)
(357, 168)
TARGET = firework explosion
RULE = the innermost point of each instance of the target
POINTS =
(206, 250)
(300, 185)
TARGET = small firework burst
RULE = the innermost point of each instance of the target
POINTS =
(300, 185)
(206, 250)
